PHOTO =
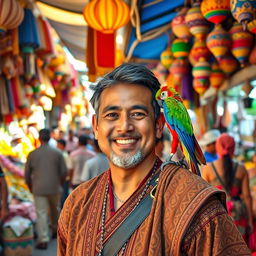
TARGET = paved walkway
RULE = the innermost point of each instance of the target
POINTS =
(51, 251)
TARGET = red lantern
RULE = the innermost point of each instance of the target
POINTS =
(199, 50)
(178, 69)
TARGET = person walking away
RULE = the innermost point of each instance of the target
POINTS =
(208, 142)
(45, 171)
(231, 176)
(77, 160)
(72, 141)
(96, 165)
(134, 208)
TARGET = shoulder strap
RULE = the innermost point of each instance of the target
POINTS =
(130, 224)
(220, 179)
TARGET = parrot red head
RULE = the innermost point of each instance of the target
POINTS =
(165, 92)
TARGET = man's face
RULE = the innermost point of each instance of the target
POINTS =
(125, 126)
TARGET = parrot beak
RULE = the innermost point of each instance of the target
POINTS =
(160, 103)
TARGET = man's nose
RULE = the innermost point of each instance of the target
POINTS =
(125, 124)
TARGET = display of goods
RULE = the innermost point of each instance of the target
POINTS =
(241, 43)
(28, 34)
(167, 58)
(106, 16)
(218, 41)
(180, 48)
(252, 57)
(215, 11)
(199, 50)
(11, 15)
(201, 73)
(228, 64)
(179, 68)
(200, 85)
(179, 26)
(243, 10)
(196, 22)
(217, 76)
(252, 26)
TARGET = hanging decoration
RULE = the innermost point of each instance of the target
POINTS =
(106, 16)
(180, 48)
(179, 26)
(241, 43)
(201, 73)
(167, 58)
(197, 24)
(198, 51)
(215, 11)
(217, 76)
(252, 26)
(11, 15)
(178, 69)
(243, 11)
(228, 64)
(218, 41)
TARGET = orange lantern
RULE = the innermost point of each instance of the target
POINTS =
(228, 64)
(106, 16)
(198, 51)
(217, 76)
(11, 15)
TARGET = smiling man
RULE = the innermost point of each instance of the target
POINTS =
(134, 208)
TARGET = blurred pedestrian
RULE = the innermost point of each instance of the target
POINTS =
(96, 165)
(208, 142)
(231, 176)
(72, 141)
(45, 171)
(77, 160)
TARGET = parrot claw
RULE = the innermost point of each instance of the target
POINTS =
(179, 163)
(183, 163)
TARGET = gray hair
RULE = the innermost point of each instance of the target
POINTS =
(127, 74)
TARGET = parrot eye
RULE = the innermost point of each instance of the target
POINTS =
(164, 95)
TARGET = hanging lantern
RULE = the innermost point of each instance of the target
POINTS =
(106, 16)
(228, 64)
(199, 50)
(215, 11)
(243, 10)
(218, 41)
(179, 26)
(11, 15)
(217, 76)
(180, 48)
(178, 69)
(201, 73)
(252, 26)
(167, 58)
(197, 24)
(241, 43)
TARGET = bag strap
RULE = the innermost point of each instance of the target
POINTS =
(130, 224)
(220, 179)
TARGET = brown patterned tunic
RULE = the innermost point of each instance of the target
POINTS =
(187, 218)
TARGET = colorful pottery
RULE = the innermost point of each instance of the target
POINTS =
(241, 43)
(178, 69)
(215, 11)
(252, 26)
(218, 41)
(228, 64)
(180, 48)
(201, 73)
(243, 10)
(179, 26)
(196, 22)
(167, 58)
(217, 76)
(198, 51)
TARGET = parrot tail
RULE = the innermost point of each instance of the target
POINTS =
(194, 168)
(199, 154)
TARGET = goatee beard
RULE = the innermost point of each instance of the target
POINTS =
(127, 161)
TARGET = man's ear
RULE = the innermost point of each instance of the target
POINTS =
(160, 122)
(95, 126)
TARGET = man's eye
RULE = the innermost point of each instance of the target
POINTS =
(111, 115)
(137, 114)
